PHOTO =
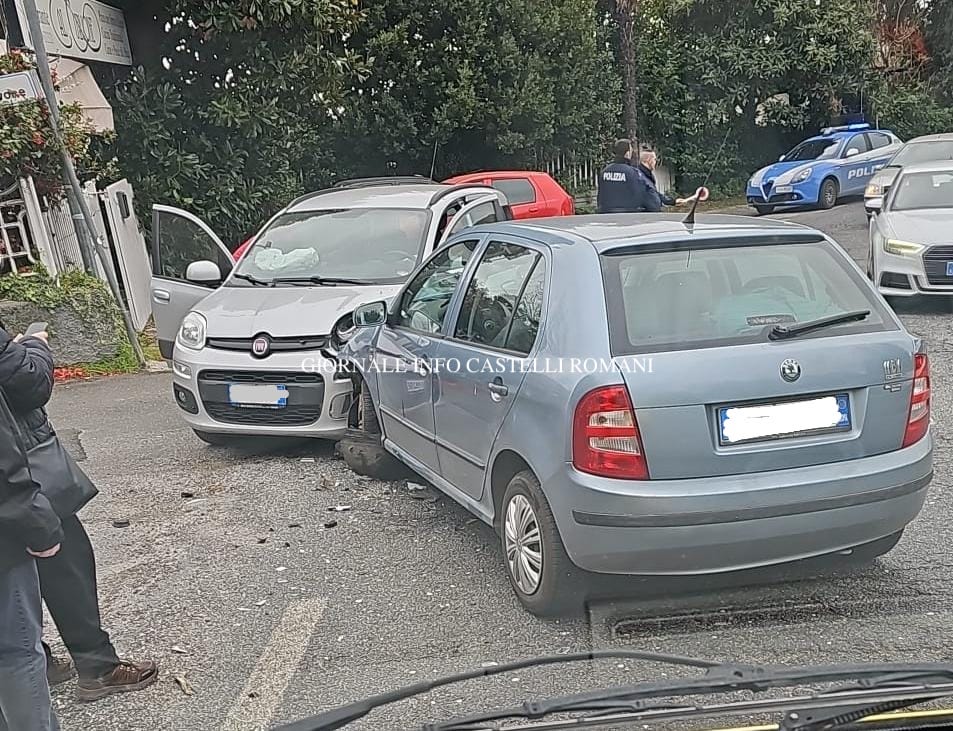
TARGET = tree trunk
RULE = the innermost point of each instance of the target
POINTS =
(625, 12)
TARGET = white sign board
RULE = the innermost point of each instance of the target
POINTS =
(18, 87)
(84, 29)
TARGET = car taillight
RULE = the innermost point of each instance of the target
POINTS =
(605, 436)
(919, 419)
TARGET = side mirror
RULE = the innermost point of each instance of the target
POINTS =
(874, 205)
(851, 152)
(203, 272)
(370, 314)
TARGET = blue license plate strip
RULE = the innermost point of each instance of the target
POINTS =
(738, 424)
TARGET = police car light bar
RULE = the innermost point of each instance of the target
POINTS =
(845, 128)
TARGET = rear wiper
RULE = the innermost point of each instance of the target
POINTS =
(255, 280)
(782, 332)
(320, 281)
(876, 687)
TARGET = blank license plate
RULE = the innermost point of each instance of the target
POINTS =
(949, 269)
(739, 424)
(784, 189)
(265, 395)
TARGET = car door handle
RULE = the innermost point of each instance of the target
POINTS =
(161, 295)
(497, 389)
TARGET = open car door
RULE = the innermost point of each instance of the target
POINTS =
(484, 209)
(180, 238)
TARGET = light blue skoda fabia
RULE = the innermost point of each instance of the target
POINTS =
(636, 395)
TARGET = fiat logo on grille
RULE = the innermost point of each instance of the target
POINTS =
(790, 370)
(259, 346)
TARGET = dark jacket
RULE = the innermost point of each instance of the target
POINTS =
(26, 379)
(620, 190)
(653, 200)
(26, 518)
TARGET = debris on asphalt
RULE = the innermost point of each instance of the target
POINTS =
(244, 609)
(281, 568)
(262, 539)
(179, 651)
(287, 545)
(183, 684)
(412, 486)
(339, 508)
(260, 603)
(490, 664)
(307, 459)
(330, 524)
(186, 493)
(120, 524)
(253, 694)
(294, 525)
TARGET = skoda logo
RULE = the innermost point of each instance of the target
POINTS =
(259, 346)
(790, 370)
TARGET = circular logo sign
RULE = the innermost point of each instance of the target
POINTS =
(790, 370)
(259, 346)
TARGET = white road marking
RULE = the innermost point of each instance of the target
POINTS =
(276, 668)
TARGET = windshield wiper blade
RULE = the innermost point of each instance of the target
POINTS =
(330, 281)
(877, 688)
(343, 715)
(255, 280)
(783, 332)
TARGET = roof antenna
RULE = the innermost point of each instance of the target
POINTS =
(702, 193)
(433, 163)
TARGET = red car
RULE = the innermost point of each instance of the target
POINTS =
(531, 194)
(237, 254)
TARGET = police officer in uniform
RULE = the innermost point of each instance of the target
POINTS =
(652, 198)
(620, 189)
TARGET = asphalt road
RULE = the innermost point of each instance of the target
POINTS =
(263, 605)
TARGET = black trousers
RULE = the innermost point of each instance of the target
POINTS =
(68, 586)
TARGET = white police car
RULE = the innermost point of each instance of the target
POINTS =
(821, 169)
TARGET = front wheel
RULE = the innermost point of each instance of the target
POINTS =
(542, 575)
(828, 194)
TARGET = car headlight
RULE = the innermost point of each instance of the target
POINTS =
(192, 331)
(873, 190)
(803, 175)
(343, 330)
(902, 248)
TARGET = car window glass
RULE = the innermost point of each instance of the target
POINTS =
(524, 326)
(424, 303)
(180, 242)
(483, 213)
(719, 297)
(452, 210)
(924, 152)
(924, 190)
(491, 297)
(518, 191)
(813, 150)
(878, 140)
(857, 142)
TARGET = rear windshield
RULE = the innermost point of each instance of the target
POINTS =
(712, 297)
(916, 152)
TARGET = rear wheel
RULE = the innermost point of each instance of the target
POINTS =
(827, 197)
(542, 575)
(764, 210)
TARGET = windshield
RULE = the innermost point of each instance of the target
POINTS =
(729, 296)
(916, 152)
(924, 190)
(819, 149)
(375, 245)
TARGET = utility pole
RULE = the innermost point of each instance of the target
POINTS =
(82, 216)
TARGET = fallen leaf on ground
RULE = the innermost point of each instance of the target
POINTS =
(178, 650)
(183, 684)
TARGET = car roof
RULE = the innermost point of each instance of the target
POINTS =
(942, 137)
(479, 174)
(933, 166)
(413, 195)
(606, 231)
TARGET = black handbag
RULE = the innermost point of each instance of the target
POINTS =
(61, 480)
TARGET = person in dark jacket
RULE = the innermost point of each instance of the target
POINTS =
(620, 188)
(652, 198)
(29, 530)
(68, 581)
